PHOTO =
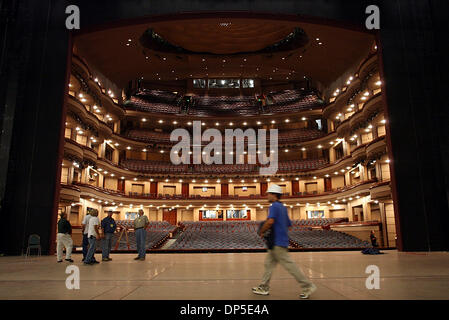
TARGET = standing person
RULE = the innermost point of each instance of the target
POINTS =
(64, 238)
(109, 226)
(93, 234)
(279, 221)
(140, 224)
(84, 225)
(373, 239)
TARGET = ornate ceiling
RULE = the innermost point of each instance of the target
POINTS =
(119, 55)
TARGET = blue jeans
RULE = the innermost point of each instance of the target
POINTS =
(141, 235)
(107, 245)
(90, 253)
(85, 245)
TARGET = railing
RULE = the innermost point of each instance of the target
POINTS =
(156, 196)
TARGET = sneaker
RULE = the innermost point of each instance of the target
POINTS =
(69, 260)
(105, 259)
(261, 291)
(141, 259)
(95, 261)
(109, 259)
(59, 261)
(137, 258)
(306, 293)
(88, 263)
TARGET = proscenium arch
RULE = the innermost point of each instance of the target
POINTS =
(30, 199)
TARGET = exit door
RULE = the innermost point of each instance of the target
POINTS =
(170, 216)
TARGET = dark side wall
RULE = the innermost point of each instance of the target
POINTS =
(35, 54)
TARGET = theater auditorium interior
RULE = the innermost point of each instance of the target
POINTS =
(333, 161)
(322, 85)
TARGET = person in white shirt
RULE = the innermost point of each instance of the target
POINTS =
(93, 234)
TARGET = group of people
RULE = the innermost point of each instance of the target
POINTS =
(277, 224)
(91, 227)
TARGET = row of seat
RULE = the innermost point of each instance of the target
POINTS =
(160, 101)
(219, 235)
(158, 96)
(289, 136)
(319, 239)
(166, 167)
(139, 104)
(317, 221)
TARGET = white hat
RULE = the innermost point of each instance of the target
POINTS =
(274, 188)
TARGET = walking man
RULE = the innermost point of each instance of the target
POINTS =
(108, 225)
(279, 221)
(64, 238)
(93, 234)
(140, 224)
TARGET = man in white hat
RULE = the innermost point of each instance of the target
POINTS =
(279, 221)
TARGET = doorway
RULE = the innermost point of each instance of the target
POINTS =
(170, 215)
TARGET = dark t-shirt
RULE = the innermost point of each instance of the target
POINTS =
(64, 226)
(108, 225)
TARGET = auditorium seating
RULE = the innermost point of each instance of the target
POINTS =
(223, 235)
(226, 235)
(156, 101)
(299, 135)
(225, 168)
(157, 233)
(293, 101)
(223, 105)
(149, 136)
(301, 165)
(317, 222)
(320, 239)
(159, 101)
(287, 136)
(154, 166)
(167, 167)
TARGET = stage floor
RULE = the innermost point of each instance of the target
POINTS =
(338, 275)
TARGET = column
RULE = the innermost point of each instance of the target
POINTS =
(345, 148)
(331, 154)
(384, 224)
(84, 175)
(115, 156)
(70, 173)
